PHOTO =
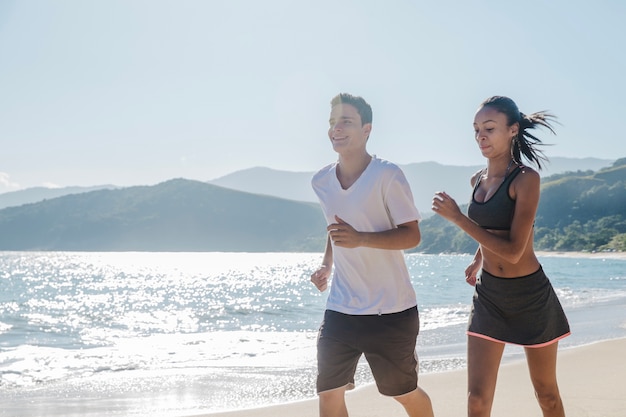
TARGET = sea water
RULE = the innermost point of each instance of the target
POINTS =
(177, 334)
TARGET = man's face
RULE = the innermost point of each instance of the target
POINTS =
(346, 131)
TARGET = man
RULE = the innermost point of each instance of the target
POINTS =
(372, 308)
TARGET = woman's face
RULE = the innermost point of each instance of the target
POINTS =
(492, 133)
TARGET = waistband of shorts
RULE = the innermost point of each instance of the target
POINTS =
(534, 274)
(398, 313)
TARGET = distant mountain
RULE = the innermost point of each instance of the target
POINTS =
(577, 211)
(177, 215)
(425, 178)
(35, 194)
(267, 181)
(559, 165)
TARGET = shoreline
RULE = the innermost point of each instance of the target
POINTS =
(589, 255)
(590, 379)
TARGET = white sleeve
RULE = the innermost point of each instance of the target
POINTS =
(399, 200)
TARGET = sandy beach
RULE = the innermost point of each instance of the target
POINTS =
(591, 379)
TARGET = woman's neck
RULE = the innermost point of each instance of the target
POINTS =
(500, 167)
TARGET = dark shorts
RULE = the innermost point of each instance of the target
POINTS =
(523, 311)
(387, 341)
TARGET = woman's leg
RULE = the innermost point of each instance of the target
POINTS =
(542, 367)
(483, 361)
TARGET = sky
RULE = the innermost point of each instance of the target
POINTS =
(130, 92)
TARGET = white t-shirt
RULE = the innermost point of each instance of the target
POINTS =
(367, 280)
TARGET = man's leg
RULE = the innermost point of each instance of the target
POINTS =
(333, 403)
(394, 362)
(416, 403)
(337, 360)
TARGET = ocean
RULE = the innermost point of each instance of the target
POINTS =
(177, 334)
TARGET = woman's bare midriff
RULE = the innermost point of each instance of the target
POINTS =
(500, 267)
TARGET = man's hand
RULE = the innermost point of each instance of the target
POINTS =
(342, 234)
(320, 277)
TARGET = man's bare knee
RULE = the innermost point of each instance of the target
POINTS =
(416, 403)
(332, 403)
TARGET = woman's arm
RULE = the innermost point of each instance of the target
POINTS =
(525, 191)
(472, 269)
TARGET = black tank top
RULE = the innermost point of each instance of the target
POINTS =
(497, 212)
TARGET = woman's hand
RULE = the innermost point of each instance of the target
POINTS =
(471, 272)
(445, 206)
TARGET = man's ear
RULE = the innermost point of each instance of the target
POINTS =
(367, 129)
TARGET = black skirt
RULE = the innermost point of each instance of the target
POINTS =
(523, 311)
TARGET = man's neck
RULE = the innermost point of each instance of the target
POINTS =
(351, 167)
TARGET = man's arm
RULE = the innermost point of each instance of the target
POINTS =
(321, 276)
(404, 236)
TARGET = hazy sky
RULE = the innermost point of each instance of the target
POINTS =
(138, 92)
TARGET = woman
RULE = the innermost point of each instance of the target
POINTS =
(514, 301)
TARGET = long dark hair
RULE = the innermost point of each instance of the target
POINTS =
(524, 143)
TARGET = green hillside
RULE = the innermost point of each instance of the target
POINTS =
(584, 212)
(177, 215)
